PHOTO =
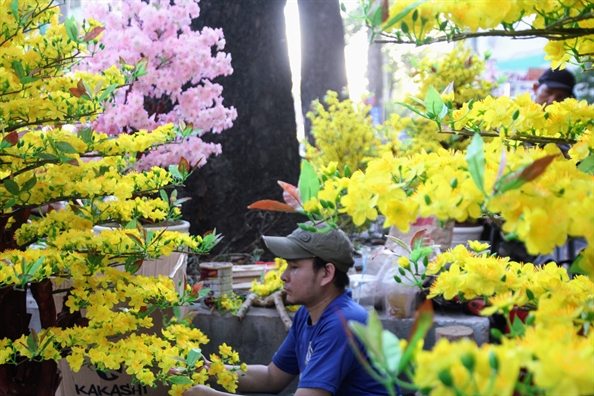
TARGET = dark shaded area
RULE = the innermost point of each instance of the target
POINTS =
(261, 147)
(322, 53)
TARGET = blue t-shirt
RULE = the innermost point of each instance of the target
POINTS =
(321, 353)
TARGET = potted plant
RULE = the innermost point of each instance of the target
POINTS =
(106, 308)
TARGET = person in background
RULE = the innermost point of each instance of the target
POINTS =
(317, 347)
(554, 86)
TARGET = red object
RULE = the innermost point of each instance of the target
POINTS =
(512, 315)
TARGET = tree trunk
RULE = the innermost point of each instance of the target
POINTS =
(375, 77)
(261, 147)
(322, 53)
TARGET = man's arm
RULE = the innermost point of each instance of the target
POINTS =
(258, 378)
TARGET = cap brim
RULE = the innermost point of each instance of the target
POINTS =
(557, 85)
(285, 248)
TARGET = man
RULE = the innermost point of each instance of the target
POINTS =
(317, 347)
(554, 86)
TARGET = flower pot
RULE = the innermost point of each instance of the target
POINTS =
(179, 226)
(463, 234)
(402, 301)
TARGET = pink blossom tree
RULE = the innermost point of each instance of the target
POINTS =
(180, 64)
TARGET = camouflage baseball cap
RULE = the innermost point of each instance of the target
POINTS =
(332, 246)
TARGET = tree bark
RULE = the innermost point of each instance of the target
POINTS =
(261, 147)
(322, 53)
(375, 77)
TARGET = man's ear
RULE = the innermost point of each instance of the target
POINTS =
(328, 274)
(535, 87)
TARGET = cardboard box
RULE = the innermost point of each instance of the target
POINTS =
(117, 382)
(90, 382)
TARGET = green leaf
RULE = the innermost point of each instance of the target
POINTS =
(412, 109)
(14, 8)
(518, 327)
(396, 18)
(18, 68)
(399, 242)
(163, 195)
(85, 134)
(419, 101)
(28, 80)
(576, 267)
(35, 267)
(420, 253)
(309, 185)
(66, 148)
(180, 380)
(370, 336)
(71, 29)
(29, 184)
(106, 92)
(475, 157)
(434, 103)
(47, 156)
(31, 344)
(391, 350)
(173, 169)
(11, 186)
(193, 356)
(587, 165)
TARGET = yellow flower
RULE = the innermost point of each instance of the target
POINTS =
(404, 262)
(477, 246)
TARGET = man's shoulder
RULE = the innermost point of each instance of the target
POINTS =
(343, 308)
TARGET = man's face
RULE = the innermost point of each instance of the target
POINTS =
(302, 283)
(545, 95)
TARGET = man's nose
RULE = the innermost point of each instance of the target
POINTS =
(284, 274)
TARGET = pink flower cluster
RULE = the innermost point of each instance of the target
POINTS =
(191, 148)
(176, 56)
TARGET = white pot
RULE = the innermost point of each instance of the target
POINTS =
(172, 266)
(180, 226)
(464, 234)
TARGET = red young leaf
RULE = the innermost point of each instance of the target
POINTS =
(291, 194)
(417, 239)
(132, 236)
(93, 34)
(183, 165)
(123, 61)
(81, 85)
(385, 11)
(207, 233)
(536, 168)
(269, 204)
(136, 266)
(197, 287)
(34, 71)
(73, 162)
(12, 138)
(144, 58)
(77, 93)
(423, 319)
